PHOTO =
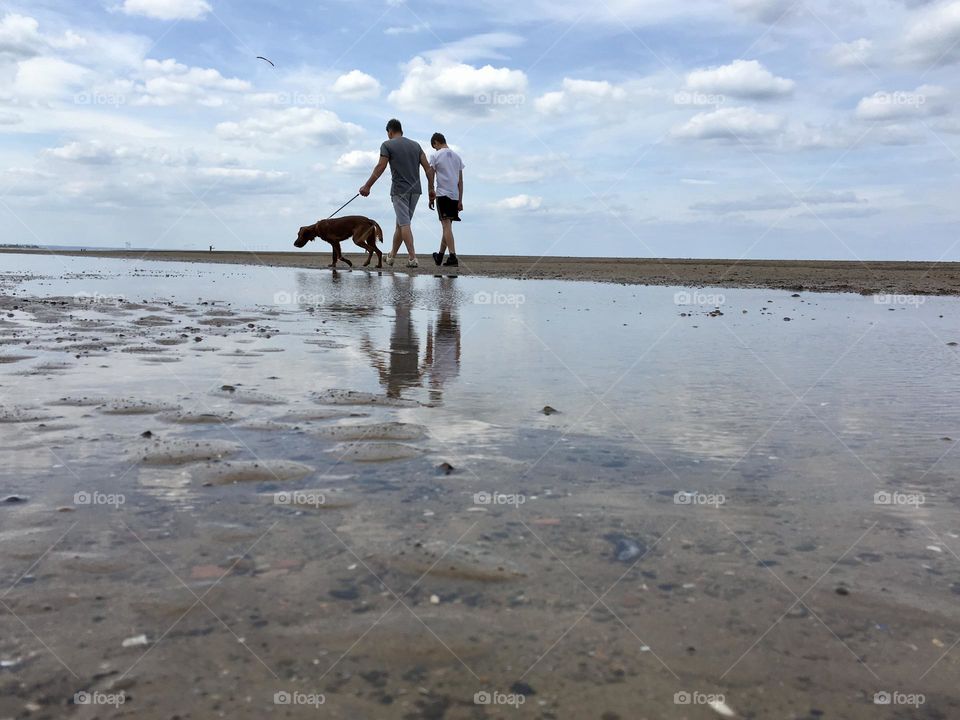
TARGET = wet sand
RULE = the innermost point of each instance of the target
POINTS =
(908, 278)
(212, 512)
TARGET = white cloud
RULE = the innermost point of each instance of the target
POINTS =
(357, 85)
(170, 83)
(852, 54)
(406, 29)
(358, 160)
(450, 87)
(779, 202)
(290, 129)
(46, 78)
(741, 78)
(739, 123)
(485, 46)
(7, 118)
(934, 39)
(925, 101)
(20, 36)
(168, 9)
(519, 202)
(578, 93)
(97, 152)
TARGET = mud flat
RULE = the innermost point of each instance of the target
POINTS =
(398, 503)
(921, 278)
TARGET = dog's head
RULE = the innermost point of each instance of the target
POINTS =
(306, 234)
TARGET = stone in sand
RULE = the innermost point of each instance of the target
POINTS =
(354, 397)
(20, 414)
(132, 406)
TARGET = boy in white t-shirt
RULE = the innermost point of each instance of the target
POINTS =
(449, 200)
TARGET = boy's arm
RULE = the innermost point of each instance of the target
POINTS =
(460, 188)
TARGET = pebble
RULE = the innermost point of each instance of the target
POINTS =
(934, 548)
(136, 641)
(547, 410)
(445, 468)
(721, 708)
(434, 599)
(13, 499)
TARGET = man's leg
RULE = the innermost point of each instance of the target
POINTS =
(406, 233)
(397, 239)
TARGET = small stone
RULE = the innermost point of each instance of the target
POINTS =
(146, 434)
(135, 641)
(842, 591)
(64, 508)
(521, 688)
(786, 319)
(13, 500)
(434, 599)
(547, 410)
(445, 468)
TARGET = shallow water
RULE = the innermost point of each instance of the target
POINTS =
(700, 515)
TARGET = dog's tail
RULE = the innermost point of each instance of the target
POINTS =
(377, 231)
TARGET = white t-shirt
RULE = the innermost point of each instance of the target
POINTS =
(448, 166)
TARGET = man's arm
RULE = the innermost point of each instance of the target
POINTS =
(374, 176)
(460, 188)
(430, 172)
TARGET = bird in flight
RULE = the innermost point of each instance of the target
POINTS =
(260, 57)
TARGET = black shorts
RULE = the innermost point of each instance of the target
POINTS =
(448, 208)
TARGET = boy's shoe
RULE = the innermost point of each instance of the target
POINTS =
(452, 262)
(438, 258)
(413, 263)
(388, 259)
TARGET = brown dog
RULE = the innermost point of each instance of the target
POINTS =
(366, 233)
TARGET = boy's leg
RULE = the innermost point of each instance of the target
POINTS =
(447, 241)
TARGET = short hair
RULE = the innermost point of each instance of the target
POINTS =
(438, 139)
(394, 126)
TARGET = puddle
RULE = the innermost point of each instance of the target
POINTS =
(588, 496)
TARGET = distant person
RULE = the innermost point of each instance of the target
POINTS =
(405, 158)
(449, 171)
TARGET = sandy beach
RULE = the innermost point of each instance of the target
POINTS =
(907, 278)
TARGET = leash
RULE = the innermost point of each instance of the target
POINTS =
(344, 205)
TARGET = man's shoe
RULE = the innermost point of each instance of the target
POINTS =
(452, 262)
(388, 259)
(438, 258)
(412, 263)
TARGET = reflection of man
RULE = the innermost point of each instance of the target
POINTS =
(442, 360)
(403, 370)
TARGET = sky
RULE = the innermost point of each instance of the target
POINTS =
(812, 129)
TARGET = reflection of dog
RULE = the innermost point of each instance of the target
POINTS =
(364, 231)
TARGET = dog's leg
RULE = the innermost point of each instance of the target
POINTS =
(343, 257)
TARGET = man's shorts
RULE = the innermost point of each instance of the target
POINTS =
(448, 208)
(404, 205)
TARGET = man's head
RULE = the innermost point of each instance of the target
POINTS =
(394, 129)
(306, 234)
(437, 141)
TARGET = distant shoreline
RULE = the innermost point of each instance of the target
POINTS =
(895, 277)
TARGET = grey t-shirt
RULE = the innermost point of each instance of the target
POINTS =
(404, 156)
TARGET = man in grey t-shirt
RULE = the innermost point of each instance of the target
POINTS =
(405, 158)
